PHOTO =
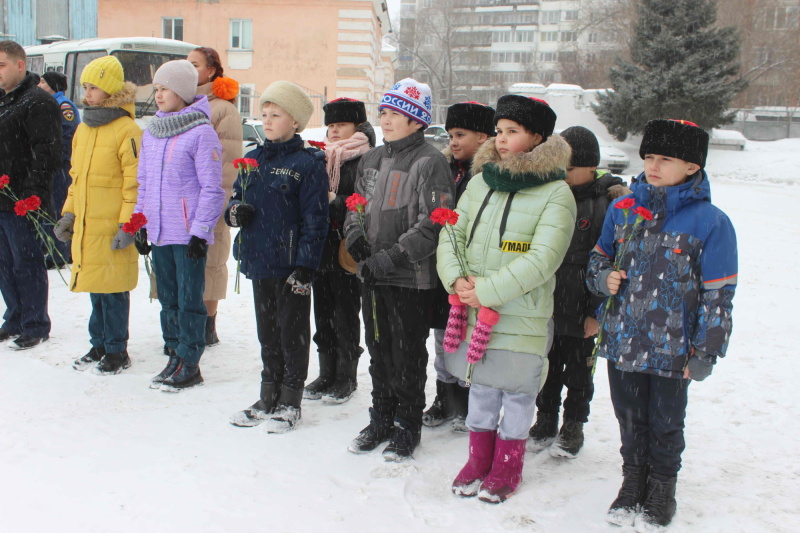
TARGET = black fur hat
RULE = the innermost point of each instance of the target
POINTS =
(471, 116)
(534, 114)
(345, 110)
(675, 138)
(56, 81)
(585, 148)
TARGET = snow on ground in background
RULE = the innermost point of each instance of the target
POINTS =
(80, 452)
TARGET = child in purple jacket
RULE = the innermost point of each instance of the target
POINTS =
(180, 193)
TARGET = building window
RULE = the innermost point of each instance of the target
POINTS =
(570, 15)
(525, 36)
(246, 99)
(501, 36)
(781, 18)
(172, 28)
(569, 36)
(241, 34)
(594, 37)
(551, 17)
(548, 57)
(549, 36)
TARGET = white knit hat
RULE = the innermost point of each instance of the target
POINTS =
(292, 98)
(410, 98)
(180, 77)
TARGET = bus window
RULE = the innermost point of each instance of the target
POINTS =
(36, 64)
(140, 67)
(76, 61)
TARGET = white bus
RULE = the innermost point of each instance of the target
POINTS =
(140, 57)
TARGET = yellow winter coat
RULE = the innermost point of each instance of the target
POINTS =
(102, 196)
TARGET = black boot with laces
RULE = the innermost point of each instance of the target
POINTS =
(631, 495)
(659, 503)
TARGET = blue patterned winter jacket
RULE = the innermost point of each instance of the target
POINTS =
(682, 274)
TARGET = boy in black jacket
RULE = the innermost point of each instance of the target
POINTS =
(570, 358)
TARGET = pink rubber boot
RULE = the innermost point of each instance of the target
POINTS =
(506, 474)
(481, 452)
(456, 330)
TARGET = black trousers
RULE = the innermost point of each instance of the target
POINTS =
(337, 304)
(567, 362)
(398, 357)
(650, 410)
(284, 331)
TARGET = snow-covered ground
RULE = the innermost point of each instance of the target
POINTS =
(79, 452)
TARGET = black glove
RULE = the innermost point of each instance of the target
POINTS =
(241, 215)
(381, 264)
(357, 246)
(197, 248)
(140, 241)
(300, 280)
(700, 365)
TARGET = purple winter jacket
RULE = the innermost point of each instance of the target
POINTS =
(180, 182)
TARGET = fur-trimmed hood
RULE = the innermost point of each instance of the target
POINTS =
(551, 155)
(124, 99)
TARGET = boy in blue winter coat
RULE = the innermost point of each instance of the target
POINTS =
(282, 210)
(670, 272)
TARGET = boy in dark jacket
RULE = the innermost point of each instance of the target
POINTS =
(403, 181)
(282, 210)
(469, 125)
(667, 259)
(570, 358)
(337, 292)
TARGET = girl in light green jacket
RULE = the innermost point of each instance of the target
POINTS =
(515, 224)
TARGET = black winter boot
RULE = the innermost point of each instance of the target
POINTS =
(569, 441)
(405, 439)
(659, 504)
(327, 375)
(543, 432)
(441, 410)
(379, 430)
(460, 408)
(259, 411)
(112, 363)
(90, 359)
(287, 412)
(346, 382)
(172, 365)
(211, 331)
(185, 377)
(631, 495)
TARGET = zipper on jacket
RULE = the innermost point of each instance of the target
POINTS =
(133, 146)
(185, 214)
(291, 244)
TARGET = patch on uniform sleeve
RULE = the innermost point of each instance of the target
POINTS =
(67, 111)
(215, 155)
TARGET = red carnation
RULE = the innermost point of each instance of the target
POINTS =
(245, 163)
(32, 203)
(442, 215)
(643, 212)
(317, 144)
(137, 222)
(4, 180)
(356, 202)
(627, 203)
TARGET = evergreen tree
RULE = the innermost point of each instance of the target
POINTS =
(682, 67)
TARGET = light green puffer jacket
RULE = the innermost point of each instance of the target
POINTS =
(515, 280)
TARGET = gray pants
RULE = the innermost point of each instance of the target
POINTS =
(484, 411)
(438, 363)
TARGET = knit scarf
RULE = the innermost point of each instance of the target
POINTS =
(173, 125)
(338, 152)
(94, 117)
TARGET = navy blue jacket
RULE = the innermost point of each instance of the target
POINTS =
(289, 191)
(682, 274)
(70, 118)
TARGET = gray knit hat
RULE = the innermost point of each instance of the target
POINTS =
(292, 98)
(180, 77)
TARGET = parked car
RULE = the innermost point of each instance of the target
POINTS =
(613, 159)
(727, 140)
(252, 134)
(436, 135)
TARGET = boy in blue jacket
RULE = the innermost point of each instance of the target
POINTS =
(282, 210)
(670, 272)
